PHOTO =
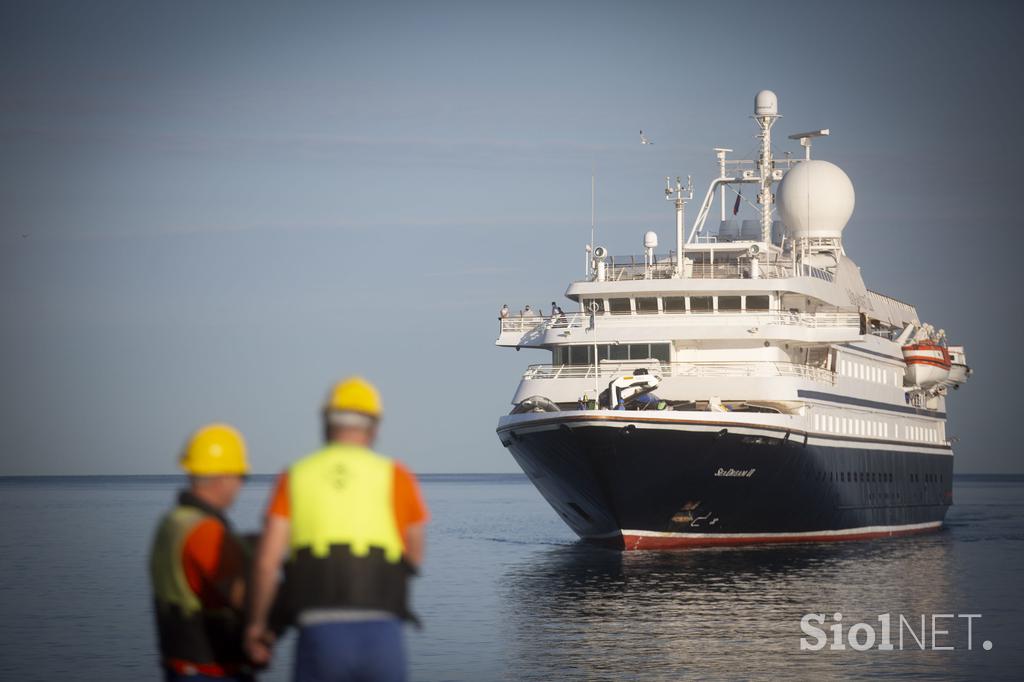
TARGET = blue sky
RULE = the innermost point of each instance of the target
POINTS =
(210, 211)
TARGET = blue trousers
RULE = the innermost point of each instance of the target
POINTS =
(357, 651)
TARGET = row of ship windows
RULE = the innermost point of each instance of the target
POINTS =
(652, 305)
(874, 428)
(584, 355)
(875, 477)
(860, 370)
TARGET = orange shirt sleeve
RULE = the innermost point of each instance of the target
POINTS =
(409, 506)
(280, 504)
(211, 559)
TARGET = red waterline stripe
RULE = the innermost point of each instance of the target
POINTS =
(670, 542)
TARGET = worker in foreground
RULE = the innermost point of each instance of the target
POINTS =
(198, 566)
(348, 524)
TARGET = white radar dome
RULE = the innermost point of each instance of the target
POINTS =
(650, 239)
(766, 103)
(815, 199)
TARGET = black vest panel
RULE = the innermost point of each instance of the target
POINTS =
(341, 580)
(204, 637)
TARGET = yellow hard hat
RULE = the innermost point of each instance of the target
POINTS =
(215, 449)
(354, 394)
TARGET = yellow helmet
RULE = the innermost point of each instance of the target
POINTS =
(354, 394)
(213, 450)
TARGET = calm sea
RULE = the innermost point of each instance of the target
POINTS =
(507, 593)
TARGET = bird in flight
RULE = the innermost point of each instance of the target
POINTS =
(643, 138)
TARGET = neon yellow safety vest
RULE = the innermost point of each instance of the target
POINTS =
(346, 548)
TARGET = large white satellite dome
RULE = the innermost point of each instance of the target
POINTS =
(815, 199)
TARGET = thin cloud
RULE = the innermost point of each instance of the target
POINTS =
(191, 229)
(207, 142)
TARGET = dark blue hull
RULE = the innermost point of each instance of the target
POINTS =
(635, 486)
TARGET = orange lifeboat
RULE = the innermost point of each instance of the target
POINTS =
(928, 363)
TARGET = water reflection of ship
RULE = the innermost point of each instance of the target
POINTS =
(587, 613)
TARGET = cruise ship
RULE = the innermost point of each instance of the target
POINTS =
(745, 387)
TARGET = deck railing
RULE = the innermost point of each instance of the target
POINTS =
(529, 322)
(611, 369)
(747, 317)
(623, 268)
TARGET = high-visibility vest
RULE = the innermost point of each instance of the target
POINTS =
(346, 548)
(188, 631)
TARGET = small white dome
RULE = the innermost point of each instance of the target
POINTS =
(815, 199)
(650, 239)
(766, 103)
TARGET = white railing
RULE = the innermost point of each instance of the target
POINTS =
(687, 369)
(734, 167)
(529, 323)
(622, 268)
(743, 317)
(816, 320)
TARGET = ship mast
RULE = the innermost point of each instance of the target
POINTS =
(680, 195)
(766, 113)
(764, 171)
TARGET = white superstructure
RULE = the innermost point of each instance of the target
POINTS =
(764, 319)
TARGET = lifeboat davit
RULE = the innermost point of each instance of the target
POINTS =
(928, 363)
(959, 371)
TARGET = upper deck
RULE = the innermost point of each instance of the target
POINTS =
(663, 267)
(791, 284)
(635, 325)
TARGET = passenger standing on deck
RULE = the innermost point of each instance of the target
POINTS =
(504, 312)
(348, 524)
(562, 321)
(197, 565)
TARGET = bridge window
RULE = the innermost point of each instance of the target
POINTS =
(580, 355)
(588, 301)
(647, 305)
(757, 303)
(648, 351)
(619, 306)
(619, 351)
(701, 304)
(674, 304)
(728, 303)
(622, 352)
(639, 351)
